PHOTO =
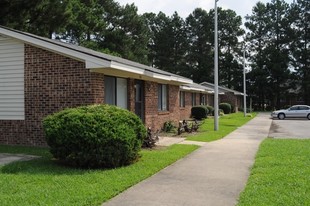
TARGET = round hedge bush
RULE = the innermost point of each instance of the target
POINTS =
(199, 112)
(226, 107)
(96, 136)
(210, 109)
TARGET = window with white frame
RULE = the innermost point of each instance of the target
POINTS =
(182, 99)
(115, 91)
(162, 97)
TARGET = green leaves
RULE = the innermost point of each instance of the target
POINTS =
(226, 107)
(199, 112)
(94, 136)
(273, 42)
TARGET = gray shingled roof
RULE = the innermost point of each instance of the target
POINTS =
(196, 87)
(99, 55)
(221, 88)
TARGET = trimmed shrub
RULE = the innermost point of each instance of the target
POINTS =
(168, 126)
(248, 110)
(199, 112)
(220, 112)
(210, 110)
(226, 107)
(97, 136)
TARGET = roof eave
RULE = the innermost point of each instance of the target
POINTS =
(193, 89)
(95, 63)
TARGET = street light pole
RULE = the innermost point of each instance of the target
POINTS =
(216, 93)
(244, 82)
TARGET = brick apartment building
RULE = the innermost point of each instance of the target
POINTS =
(40, 76)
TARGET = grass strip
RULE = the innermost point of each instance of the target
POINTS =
(39, 151)
(280, 175)
(43, 182)
(227, 124)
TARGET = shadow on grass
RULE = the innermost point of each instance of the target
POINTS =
(43, 165)
(229, 125)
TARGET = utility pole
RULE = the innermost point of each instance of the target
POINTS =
(216, 92)
(244, 82)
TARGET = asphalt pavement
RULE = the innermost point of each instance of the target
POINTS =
(290, 128)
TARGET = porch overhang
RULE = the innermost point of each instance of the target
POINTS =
(195, 90)
(126, 71)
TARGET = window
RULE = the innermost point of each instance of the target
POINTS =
(182, 99)
(303, 108)
(294, 108)
(193, 99)
(115, 90)
(202, 99)
(121, 92)
(162, 97)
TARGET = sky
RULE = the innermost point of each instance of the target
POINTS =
(185, 7)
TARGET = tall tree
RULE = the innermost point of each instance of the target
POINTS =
(85, 23)
(257, 23)
(102, 25)
(300, 45)
(230, 66)
(41, 17)
(200, 54)
(277, 51)
(269, 45)
(169, 44)
(126, 33)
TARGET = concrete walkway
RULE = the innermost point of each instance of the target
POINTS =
(8, 158)
(213, 175)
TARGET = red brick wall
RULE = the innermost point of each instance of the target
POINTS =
(151, 101)
(185, 112)
(52, 83)
(131, 95)
(232, 99)
(210, 100)
(156, 119)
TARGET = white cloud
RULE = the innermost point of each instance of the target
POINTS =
(185, 7)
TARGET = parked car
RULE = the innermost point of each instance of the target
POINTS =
(296, 111)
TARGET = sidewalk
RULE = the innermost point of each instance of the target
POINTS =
(8, 158)
(213, 175)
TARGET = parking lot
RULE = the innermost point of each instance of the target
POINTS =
(290, 128)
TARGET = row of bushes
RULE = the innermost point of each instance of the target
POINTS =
(102, 136)
(202, 111)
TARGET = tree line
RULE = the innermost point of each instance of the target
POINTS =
(276, 36)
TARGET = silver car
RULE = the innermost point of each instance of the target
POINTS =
(296, 111)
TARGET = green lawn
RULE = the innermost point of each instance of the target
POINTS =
(280, 175)
(43, 182)
(227, 124)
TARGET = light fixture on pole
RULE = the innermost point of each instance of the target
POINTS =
(244, 82)
(216, 93)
